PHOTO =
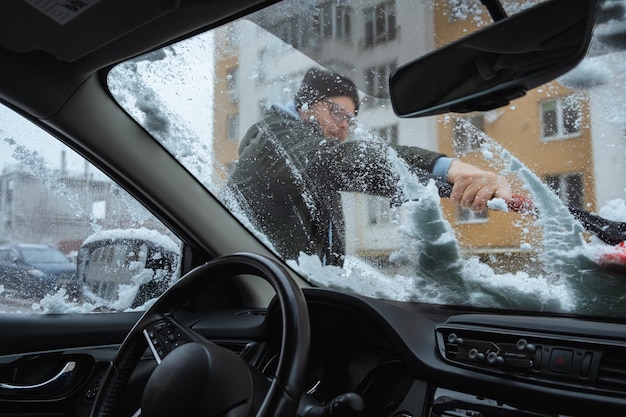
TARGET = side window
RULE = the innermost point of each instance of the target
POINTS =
(71, 240)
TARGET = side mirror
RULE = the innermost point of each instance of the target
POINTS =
(495, 65)
(137, 260)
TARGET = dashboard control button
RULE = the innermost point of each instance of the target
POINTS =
(561, 361)
(454, 339)
(473, 354)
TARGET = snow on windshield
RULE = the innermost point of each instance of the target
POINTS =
(137, 86)
(437, 270)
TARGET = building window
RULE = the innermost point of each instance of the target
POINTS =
(232, 37)
(262, 65)
(327, 20)
(8, 197)
(569, 188)
(231, 78)
(467, 135)
(377, 79)
(380, 24)
(465, 216)
(233, 127)
(560, 118)
(334, 21)
(342, 22)
(388, 133)
(289, 32)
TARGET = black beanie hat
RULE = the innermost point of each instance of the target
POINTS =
(319, 84)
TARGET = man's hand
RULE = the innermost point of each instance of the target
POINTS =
(474, 187)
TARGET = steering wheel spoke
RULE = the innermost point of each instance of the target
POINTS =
(166, 334)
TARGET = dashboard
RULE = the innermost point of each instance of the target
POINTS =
(376, 358)
(368, 357)
(410, 360)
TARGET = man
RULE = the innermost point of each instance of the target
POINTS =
(293, 164)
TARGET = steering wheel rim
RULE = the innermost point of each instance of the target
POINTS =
(286, 388)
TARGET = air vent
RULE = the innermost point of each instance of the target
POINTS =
(612, 371)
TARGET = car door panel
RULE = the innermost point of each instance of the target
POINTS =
(59, 374)
(24, 333)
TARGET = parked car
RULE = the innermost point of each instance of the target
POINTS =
(123, 115)
(124, 268)
(32, 270)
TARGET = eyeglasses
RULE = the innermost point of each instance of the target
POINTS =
(339, 113)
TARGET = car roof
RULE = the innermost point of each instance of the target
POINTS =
(27, 246)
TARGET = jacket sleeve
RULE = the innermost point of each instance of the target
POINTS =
(418, 158)
(367, 166)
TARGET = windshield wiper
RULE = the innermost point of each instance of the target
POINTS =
(495, 9)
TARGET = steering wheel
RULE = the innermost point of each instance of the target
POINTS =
(195, 376)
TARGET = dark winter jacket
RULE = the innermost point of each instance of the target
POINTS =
(288, 180)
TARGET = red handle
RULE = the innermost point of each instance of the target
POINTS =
(521, 204)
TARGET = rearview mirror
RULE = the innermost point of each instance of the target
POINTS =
(497, 64)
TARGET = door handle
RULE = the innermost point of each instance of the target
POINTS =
(51, 383)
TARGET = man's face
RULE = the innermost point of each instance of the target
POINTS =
(335, 116)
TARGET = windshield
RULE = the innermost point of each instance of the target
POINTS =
(285, 116)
